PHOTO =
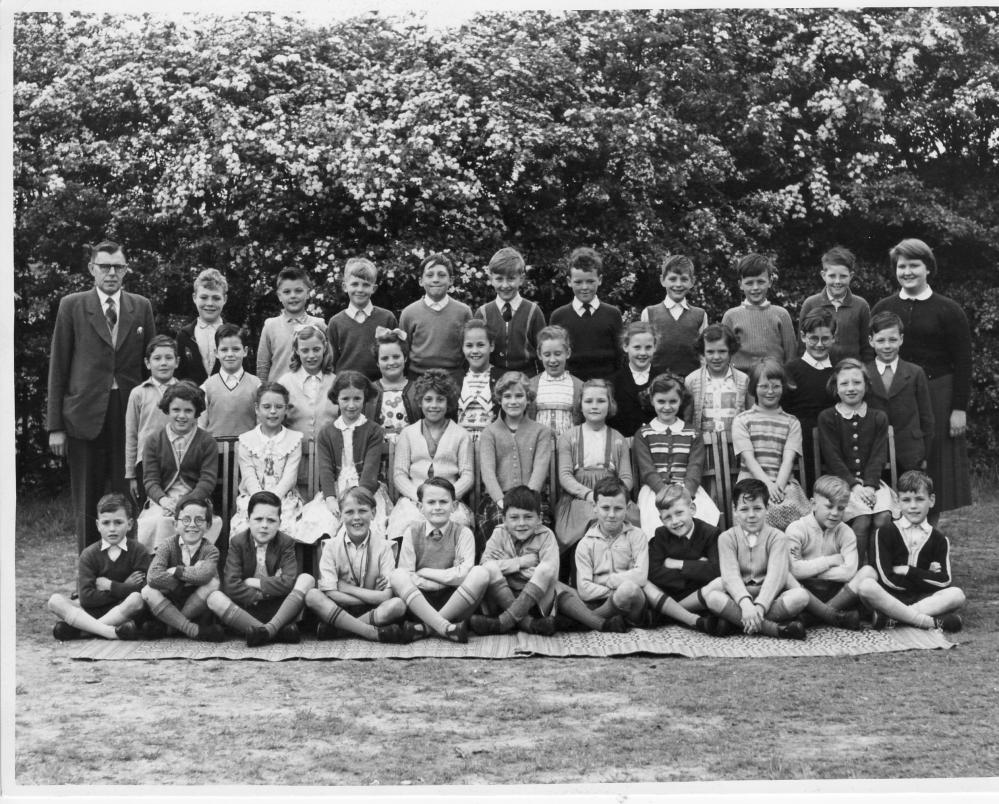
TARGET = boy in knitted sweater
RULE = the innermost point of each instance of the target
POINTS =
(513, 321)
(677, 322)
(433, 324)
(764, 329)
(293, 288)
(594, 327)
(352, 331)
(230, 395)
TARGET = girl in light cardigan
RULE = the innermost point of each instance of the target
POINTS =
(513, 451)
(435, 446)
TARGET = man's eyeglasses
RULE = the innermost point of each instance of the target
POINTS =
(105, 268)
(192, 520)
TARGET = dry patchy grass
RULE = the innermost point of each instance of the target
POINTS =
(541, 720)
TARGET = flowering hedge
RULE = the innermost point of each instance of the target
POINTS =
(258, 142)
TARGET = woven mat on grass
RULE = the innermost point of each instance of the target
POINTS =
(670, 641)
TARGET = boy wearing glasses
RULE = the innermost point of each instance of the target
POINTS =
(184, 572)
(98, 348)
(807, 395)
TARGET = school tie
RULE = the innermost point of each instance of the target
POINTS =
(587, 312)
(887, 376)
(111, 314)
(507, 312)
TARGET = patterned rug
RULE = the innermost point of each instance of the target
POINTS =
(670, 641)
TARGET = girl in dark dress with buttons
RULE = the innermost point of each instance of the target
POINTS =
(937, 339)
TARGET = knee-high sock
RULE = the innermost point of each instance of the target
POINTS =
(125, 610)
(897, 610)
(331, 613)
(418, 604)
(166, 612)
(572, 605)
(823, 611)
(239, 620)
(670, 608)
(519, 608)
(289, 609)
(730, 611)
(843, 599)
(627, 600)
(385, 613)
(78, 618)
(500, 595)
(694, 602)
(197, 603)
(462, 603)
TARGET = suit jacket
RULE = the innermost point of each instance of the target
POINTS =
(189, 363)
(909, 409)
(241, 563)
(83, 363)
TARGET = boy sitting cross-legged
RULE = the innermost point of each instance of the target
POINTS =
(184, 572)
(436, 556)
(910, 581)
(521, 556)
(353, 593)
(823, 550)
(264, 592)
(683, 558)
(612, 559)
(111, 573)
(753, 593)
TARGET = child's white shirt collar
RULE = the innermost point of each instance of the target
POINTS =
(660, 427)
(352, 311)
(106, 545)
(883, 366)
(849, 413)
(671, 305)
(577, 305)
(436, 306)
(515, 303)
(923, 296)
(817, 364)
(747, 303)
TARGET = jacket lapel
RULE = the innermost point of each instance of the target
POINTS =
(97, 319)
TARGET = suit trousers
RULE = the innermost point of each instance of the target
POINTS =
(94, 465)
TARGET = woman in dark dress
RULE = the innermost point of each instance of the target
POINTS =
(938, 339)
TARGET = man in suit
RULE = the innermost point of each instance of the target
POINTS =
(96, 359)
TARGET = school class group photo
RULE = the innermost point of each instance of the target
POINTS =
(451, 472)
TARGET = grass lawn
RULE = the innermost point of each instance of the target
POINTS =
(538, 720)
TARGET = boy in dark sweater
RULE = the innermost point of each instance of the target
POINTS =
(683, 558)
(594, 327)
(111, 573)
(677, 323)
(513, 321)
(183, 573)
(352, 331)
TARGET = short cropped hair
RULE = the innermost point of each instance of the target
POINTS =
(507, 262)
(749, 489)
(195, 499)
(718, 332)
(638, 328)
(231, 331)
(914, 249)
(360, 495)
(524, 498)
(293, 275)
(754, 265)
(436, 483)
(361, 267)
(838, 255)
(843, 365)
(161, 342)
(554, 332)
(115, 501)
(607, 387)
(914, 481)
(835, 489)
(511, 379)
(585, 259)
(669, 494)
(263, 498)
(610, 486)
(886, 320)
(476, 323)
(440, 382)
(211, 279)
(819, 317)
(677, 264)
(104, 247)
(186, 390)
(303, 334)
(351, 379)
(438, 259)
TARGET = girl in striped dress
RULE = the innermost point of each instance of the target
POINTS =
(768, 442)
(556, 392)
(669, 451)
